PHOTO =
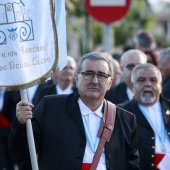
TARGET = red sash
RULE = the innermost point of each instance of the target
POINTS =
(157, 160)
(4, 123)
(86, 166)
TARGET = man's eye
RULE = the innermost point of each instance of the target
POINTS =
(88, 74)
(140, 80)
(154, 80)
(102, 75)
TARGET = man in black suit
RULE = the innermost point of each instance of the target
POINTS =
(124, 91)
(152, 114)
(164, 66)
(65, 126)
(62, 81)
(10, 99)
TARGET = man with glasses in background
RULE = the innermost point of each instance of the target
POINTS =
(124, 91)
(66, 126)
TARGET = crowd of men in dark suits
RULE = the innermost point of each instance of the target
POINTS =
(143, 90)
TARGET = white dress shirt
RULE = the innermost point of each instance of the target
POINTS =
(68, 90)
(92, 122)
(155, 119)
(130, 94)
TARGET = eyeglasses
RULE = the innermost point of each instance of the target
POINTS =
(89, 75)
(130, 66)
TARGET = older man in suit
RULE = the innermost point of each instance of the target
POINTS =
(62, 82)
(66, 126)
(153, 116)
(124, 91)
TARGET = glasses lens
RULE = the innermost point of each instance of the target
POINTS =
(88, 75)
(102, 77)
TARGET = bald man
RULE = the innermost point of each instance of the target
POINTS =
(124, 91)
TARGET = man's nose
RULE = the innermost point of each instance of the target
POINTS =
(95, 79)
(148, 83)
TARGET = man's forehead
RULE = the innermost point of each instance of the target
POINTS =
(91, 63)
(134, 59)
(147, 73)
(95, 66)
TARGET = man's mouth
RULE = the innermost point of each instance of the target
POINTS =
(93, 88)
(147, 93)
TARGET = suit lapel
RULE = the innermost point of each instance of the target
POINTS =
(166, 111)
(139, 115)
(74, 111)
(123, 95)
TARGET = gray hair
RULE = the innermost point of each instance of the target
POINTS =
(135, 52)
(164, 54)
(71, 59)
(145, 67)
(94, 56)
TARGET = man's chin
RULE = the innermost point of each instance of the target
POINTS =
(93, 95)
(148, 100)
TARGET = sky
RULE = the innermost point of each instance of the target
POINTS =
(157, 5)
(156, 1)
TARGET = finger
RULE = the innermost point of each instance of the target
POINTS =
(23, 119)
(22, 116)
(25, 103)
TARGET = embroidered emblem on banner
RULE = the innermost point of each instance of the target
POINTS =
(28, 42)
(16, 16)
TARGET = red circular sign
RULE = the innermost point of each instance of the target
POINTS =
(107, 14)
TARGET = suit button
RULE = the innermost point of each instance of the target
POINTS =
(153, 147)
(152, 138)
(168, 133)
(152, 164)
(82, 145)
(152, 156)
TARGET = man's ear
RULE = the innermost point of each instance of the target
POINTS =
(76, 78)
(133, 88)
(110, 84)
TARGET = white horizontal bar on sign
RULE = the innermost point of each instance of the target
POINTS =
(107, 2)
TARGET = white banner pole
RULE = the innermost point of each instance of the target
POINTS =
(30, 137)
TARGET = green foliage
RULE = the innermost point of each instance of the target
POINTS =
(138, 17)
(75, 8)
(96, 32)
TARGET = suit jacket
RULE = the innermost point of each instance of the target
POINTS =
(145, 133)
(49, 88)
(60, 137)
(117, 94)
(11, 98)
(166, 88)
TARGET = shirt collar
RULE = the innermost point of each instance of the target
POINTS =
(152, 109)
(85, 110)
(68, 90)
(130, 94)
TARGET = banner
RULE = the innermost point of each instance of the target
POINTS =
(60, 19)
(28, 42)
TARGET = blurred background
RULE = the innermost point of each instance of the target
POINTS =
(85, 34)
